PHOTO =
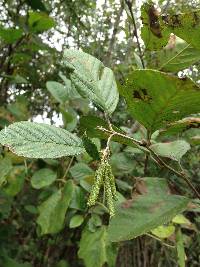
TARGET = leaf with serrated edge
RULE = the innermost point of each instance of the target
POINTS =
(145, 212)
(39, 140)
(156, 98)
(92, 79)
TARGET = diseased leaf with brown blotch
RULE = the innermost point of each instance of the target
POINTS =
(149, 208)
(156, 98)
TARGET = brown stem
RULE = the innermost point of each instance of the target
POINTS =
(129, 5)
(179, 174)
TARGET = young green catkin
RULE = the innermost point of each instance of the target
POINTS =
(111, 177)
(109, 196)
(99, 177)
(104, 175)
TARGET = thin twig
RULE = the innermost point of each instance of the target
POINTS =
(179, 174)
(163, 243)
(136, 142)
(129, 5)
(68, 167)
(147, 154)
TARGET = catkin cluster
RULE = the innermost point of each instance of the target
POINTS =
(104, 177)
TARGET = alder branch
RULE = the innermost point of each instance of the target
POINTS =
(144, 144)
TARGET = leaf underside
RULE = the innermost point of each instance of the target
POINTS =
(39, 140)
(92, 79)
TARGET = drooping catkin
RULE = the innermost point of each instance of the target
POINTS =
(99, 176)
(104, 176)
(111, 177)
(109, 196)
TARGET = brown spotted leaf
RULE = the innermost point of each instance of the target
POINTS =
(154, 207)
(157, 27)
(155, 98)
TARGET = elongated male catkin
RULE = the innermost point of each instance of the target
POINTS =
(99, 174)
(109, 196)
(104, 175)
(111, 177)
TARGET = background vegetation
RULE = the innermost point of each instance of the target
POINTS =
(34, 86)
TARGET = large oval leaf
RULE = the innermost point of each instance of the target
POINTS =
(39, 140)
(92, 79)
(155, 98)
(154, 207)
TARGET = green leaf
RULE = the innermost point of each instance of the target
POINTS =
(39, 140)
(95, 250)
(53, 210)
(8, 262)
(10, 35)
(58, 91)
(155, 98)
(92, 79)
(181, 219)
(5, 168)
(180, 248)
(163, 231)
(76, 221)
(5, 205)
(15, 181)
(15, 79)
(78, 199)
(42, 178)
(176, 56)
(69, 117)
(121, 163)
(180, 126)
(80, 171)
(40, 22)
(19, 108)
(71, 90)
(62, 263)
(94, 222)
(173, 150)
(90, 147)
(186, 26)
(146, 211)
